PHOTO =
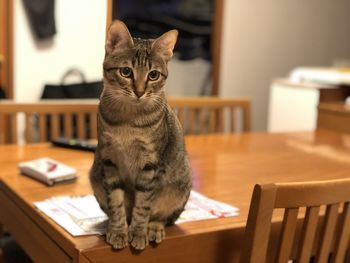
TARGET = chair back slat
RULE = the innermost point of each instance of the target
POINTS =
(202, 119)
(246, 118)
(342, 240)
(287, 234)
(55, 128)
(68, 125)
(211, 114)
(13, 126)
(191, 120)
(258, 229)
(81, 125)
(42, 127)
(3, 128)
(327, 217)
(93, 126)
(308, 234)
(327, 233)
(212, 121)
(233, 119)
(220, 120)
(29, 127)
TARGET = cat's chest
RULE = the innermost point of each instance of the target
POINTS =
(129, 139)
(129, 147)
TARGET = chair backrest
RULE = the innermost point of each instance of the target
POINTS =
(326, 199)
(200, 115)
(44, 120)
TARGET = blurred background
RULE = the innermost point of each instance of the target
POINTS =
(226, 48)
(284, 65)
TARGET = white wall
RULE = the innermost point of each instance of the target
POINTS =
(263, 40)
(79, 42)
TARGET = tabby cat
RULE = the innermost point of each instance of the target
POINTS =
(141, 175)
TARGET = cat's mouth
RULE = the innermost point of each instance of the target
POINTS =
(139, 100)
(142, 97)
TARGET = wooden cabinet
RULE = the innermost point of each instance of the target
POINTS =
(293, 106)
(334, 116)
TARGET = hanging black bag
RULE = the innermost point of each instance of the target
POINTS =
(81, 90)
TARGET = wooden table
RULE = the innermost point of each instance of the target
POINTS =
(225, 167)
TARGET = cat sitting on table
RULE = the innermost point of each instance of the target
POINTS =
(141, 174)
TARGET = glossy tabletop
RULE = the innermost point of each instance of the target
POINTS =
(225, 167)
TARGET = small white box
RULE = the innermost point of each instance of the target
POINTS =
(47, 170)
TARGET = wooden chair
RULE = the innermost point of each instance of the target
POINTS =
(332, 241)
(77, 118)
(200, 115)
(48, 119)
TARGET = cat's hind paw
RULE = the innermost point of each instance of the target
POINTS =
(117, 239)
(156, 232)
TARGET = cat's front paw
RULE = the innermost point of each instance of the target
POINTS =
(138, 238)
(117, 238)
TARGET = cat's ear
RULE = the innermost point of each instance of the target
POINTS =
(164, 45)
(118, 37)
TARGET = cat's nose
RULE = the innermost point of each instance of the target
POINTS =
(139, 93)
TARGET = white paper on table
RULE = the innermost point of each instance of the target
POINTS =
(200, 207)
(81, 215)
(72, 220)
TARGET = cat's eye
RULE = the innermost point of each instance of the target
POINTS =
(125, 72)
(153, 75)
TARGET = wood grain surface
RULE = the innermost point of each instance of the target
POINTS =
(225, 167)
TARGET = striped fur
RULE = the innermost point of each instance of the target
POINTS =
(141, 175)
